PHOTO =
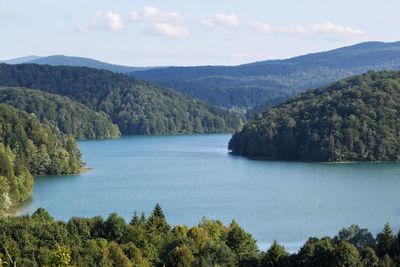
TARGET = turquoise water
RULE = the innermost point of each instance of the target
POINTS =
(194, 176)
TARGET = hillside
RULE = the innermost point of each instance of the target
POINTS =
(267, 83)
(356, 119)
(137, 107)
(20, 60)
(61, 60)
(29, 148)
(66, 114)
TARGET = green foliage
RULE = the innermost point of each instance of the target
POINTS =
(242, 244)
(137, 107)
(60, 256)
(355, 119)
(346, 255)
(67, 115)
(276, 256)
(267, 83)
(29, 148)
(369, 258)
(38, 240)
(360, 238)
(385, 241)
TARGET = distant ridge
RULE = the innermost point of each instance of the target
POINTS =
(269, 82)
(20, 60)
(61, 60)
(71, 61)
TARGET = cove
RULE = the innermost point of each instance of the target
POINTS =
(192, 176)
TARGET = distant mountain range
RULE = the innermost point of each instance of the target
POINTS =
(273, 81)
(61, 60)
(256, 85)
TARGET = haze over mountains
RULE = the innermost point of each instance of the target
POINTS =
(270, 82)
(61, 60)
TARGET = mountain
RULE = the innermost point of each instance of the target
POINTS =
(20, 60)
(60, 60)
(137, 107)
(29, 148)
(270, 82)
(355, 119)
(69, 116)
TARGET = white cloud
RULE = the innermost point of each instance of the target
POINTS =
(261, 26)
(326, 28)
(153, 14)
(164, 23)
(330, 28)
(268, 28)
(115, 21)
(102, 21)
(231, 20)
(168, 30)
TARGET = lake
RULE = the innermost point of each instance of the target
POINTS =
(192, 176)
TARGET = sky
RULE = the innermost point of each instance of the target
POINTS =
(191, 32)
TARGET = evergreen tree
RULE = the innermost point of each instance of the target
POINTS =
(276, 256)
(385, 241)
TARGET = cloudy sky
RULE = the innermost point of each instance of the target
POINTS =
(191, 32)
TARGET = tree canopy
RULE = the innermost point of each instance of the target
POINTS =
(355, 119)
(27, 148)
(39, 240)
(69, 116)
(137, 107)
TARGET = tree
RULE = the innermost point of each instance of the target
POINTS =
(117, 256)
(369, 258)
(114, 227)
(157, 222)
(385, 241)
(346, 255)
(317, 252)
(180, 256)
(276, 256)
(355, 235)
(242, 244)
(42, 215)
(60, 256)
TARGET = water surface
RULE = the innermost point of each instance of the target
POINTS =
(192, 176)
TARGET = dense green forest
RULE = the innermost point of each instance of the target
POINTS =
(39, 240)
(137, 107)
(355, 119)
(27, 148)
(270, 82)
(67, 115)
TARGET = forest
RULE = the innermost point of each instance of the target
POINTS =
(27, 148)
(69, 116)
(355, 119)
(39, 240)
(270, 82)
(137, 107)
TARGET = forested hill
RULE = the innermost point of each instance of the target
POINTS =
(137, 107)
(356, 119)
(61, 60)
(29, 148)
(270, 82)
(69, 116)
